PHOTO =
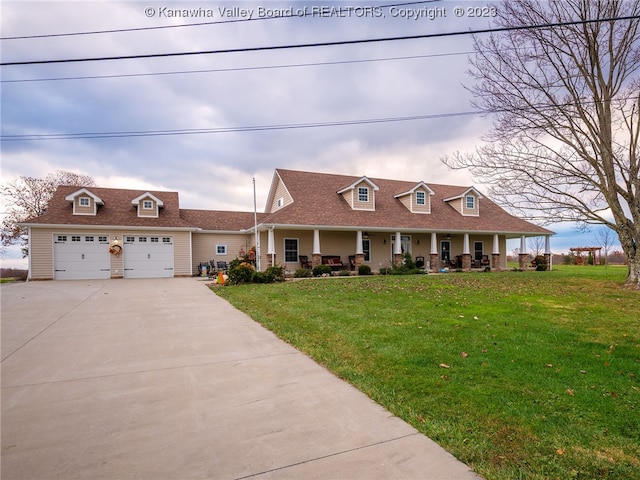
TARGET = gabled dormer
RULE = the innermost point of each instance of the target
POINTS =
(148, 205)
(279, 195)
(418, 199)
(467, 203)
(360, 195)
(84, 202)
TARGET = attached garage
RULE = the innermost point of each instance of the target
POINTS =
(148, 256)
(81, 256)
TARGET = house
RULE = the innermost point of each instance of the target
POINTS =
(345, 221)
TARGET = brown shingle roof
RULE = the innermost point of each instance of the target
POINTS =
(316, 202)
(116, 211)
(215, 220)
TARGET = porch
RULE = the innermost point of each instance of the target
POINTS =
(348, 249)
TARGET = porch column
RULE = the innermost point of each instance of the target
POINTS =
(495, 253)
(547, 251)
(359, 250)
(523, 256)
(271, 248)
(316, 255)
(466, 255)
(397, 250)
(433, 257)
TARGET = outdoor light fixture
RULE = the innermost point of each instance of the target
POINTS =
(115, 240)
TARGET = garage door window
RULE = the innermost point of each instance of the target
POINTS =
(75, 238)
(62, 238)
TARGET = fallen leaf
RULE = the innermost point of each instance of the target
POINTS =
(560, 451)
(444, 365)
(464, 354)
(570, 392)
(549, 365)
(421, 418)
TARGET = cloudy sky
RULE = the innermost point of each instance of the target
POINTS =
(206, 124)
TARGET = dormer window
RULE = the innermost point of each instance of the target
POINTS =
(148, 205)
(84, 202)
(420, 198)
(363, 194)
(471, 202)
(360, 195)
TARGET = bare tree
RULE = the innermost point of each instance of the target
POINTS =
(605, 238)
(565, 99)
(536, 246)
(29, 197)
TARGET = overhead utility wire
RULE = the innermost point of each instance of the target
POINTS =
(199, 24)
(200, 131)
(235, 69)
(319, 44)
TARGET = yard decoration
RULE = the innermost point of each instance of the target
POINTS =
(115, 250)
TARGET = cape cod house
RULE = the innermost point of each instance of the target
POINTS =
(309, 219)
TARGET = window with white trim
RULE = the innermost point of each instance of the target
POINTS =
(166, 239)
(280, 202)
(88, 239)
(103, 239)
(471, 202)
(420, 198)
(129, 239)
(62, 238)
(290, 249)
(142, 239)
(84, 201)
(155, 239)
(147, 205)
(363, 194)
(221, 249)
(75, 238)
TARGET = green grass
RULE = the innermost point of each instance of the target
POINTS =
(530, 375)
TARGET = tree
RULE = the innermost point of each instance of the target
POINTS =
(29, 197)
(605, 238)
(536, 246)
(565, 100)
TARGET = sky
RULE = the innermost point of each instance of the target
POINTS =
(205, 125)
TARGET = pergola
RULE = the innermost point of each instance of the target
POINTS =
(595, 251)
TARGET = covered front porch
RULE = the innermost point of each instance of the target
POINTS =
(347, 249)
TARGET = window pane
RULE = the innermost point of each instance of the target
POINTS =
(363, 194)
(420, 198)
(290, 249)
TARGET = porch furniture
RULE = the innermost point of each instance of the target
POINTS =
(484, 261)
(333, 261)
(222, 267)
(352, 262)
(419, 262)
(304, 262)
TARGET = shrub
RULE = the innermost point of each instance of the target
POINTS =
(320, 270)
(364, 270)
(275, 274)
(540, 262)
(260, 277)
(240, 272)
(303, 273)
(344, 273)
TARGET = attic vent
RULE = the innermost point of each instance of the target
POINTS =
(280, 202)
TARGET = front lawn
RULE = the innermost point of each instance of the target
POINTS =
(530, 375)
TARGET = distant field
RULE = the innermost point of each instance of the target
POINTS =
(519, 374)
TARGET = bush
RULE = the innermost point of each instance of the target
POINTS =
(364, 270)
(240, 272)
(275, 274)
(303, 273)
(540, 262)
(320, 270)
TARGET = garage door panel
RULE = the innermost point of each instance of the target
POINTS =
(81, 257)
(148, 256)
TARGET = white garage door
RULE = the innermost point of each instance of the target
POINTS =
(148, 256)
(81, 257)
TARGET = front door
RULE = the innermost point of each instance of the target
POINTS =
(445, 251)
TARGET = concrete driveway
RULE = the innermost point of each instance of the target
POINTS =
(161, 379)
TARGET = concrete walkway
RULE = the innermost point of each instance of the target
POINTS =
(161, 379)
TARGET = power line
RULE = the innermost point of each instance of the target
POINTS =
(236, 69)
(201, 131)
(199, 24)
(318, 44)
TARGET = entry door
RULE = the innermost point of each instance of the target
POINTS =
(445, 250)
(148, 256)
(81, 257)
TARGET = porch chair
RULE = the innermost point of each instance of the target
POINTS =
(304, 262)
